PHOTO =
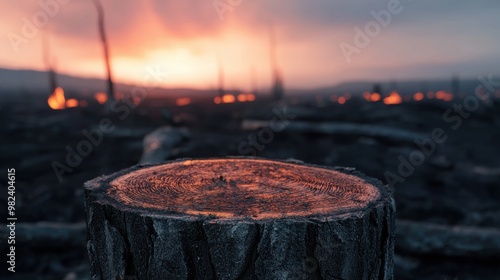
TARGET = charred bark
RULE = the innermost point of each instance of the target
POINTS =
(239, 218)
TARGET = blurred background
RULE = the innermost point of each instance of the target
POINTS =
(404, 91)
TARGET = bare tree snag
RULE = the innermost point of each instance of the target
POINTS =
(48, 62)
(452, 241)
(104, 42)
(415, 238)
(239, 218)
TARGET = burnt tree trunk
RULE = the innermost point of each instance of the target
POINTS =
(239, 218)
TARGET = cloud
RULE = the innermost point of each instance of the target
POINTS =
(187, 34)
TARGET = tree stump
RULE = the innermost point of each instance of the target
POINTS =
(239, 218)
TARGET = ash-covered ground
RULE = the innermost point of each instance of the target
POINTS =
(441, 159)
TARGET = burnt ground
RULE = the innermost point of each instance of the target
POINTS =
(456, 184)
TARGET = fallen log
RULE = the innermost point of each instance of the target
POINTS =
(239, 218)
(457, 241)
(411, 237)
(338, 128)
(47, 235)
(159, 144)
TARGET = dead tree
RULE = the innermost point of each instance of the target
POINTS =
(48, 62)
(456, 241)
(277, 88)
(220, 72)
(104, 41)
(239, 218)
(414, 238)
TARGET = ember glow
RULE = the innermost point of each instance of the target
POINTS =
(375, 97)
(246, 97)
(56, 100)
(119, 95)
(183, 101)
(418, 96)
(393, 98)
(232, 98)
(341, 100)
(71, 103)
(228, 98)
(367, 95)
(101, 97)
(242, 98)
(443, 95)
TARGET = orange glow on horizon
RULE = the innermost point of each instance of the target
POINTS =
(101, 97)
(393, 98)
(217, 100)
(418, 96)
(56, 100)
(183, 101)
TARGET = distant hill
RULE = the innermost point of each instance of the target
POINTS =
(31, 81)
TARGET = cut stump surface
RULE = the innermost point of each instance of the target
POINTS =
(239, 218)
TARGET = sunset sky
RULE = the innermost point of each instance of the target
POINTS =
(423, 40)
